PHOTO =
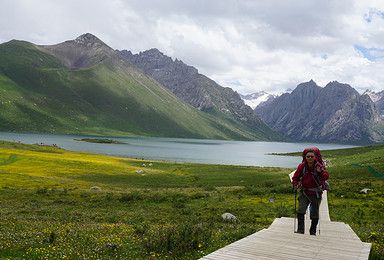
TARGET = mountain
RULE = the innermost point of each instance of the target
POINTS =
(255, 99)
(378, 100)
(201, 92)
(335, 113)
(83, 86)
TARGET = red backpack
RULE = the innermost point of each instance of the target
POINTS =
(326, 185)
(317, 154)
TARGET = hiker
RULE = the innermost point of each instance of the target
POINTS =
(309, 178)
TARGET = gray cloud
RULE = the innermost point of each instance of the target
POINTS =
(247, 45)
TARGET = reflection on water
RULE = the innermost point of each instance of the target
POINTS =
(250, 153)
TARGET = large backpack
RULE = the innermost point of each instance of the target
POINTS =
(317, 154)
(326, 185)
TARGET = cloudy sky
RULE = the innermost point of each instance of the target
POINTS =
(248, 45)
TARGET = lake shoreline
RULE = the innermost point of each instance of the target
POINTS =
(222, 152)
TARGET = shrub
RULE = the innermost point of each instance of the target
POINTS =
(199, 195)
(43, 190)
(282, 211)
(176, 240)
(131, 196)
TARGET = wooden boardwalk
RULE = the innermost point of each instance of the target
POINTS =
(336, 241)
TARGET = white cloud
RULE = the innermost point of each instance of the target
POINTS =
(248, 45)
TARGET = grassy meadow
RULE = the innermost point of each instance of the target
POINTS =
(58, 204)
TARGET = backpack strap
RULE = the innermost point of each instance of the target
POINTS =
(319, 187)
(315, 177)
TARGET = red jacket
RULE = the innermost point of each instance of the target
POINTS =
(308, 181)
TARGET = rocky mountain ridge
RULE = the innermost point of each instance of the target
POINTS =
(350, 117)
(197, 89)
(335, 113)
(378, 100)
(83, 52)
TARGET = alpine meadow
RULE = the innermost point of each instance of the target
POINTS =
(58, 204)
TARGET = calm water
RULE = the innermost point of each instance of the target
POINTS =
(248, 153)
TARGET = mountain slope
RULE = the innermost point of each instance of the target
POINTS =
(378, 100)
(83, 86)
(335, 113)
(201, 92)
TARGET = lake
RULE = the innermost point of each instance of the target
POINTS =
(248, 153)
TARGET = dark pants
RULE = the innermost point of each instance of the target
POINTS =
(304, 201)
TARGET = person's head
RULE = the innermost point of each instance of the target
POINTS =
(310, 156)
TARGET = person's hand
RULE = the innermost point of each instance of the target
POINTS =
(296, 187)
(319, 169)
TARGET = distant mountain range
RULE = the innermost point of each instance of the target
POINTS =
(83, 86)
(350, 118)
(336, 113)
(200, 91)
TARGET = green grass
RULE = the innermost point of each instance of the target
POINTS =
(363, 212)
(164, 211)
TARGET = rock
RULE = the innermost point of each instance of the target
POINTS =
(365, 190)
(83, 52)
(95, 188)
(229, 216)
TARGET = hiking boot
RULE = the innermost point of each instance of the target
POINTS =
(300, 223)
(312, 230)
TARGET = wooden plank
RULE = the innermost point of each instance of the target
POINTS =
(334, 229)
(336, 241)
(279, 247)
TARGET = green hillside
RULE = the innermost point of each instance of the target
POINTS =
(110, 97)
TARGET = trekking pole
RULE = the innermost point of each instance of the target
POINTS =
(319, 212)
(294, 220)
(319, 224)
(330, 202)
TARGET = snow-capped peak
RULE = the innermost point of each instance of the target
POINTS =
(373, 95)
(254, 99)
